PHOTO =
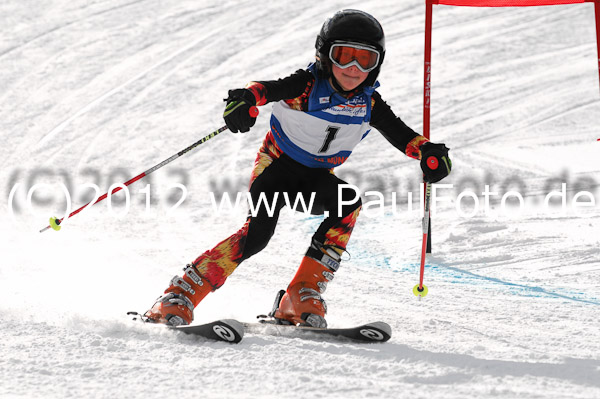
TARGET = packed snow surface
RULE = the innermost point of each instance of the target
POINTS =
(96, 92)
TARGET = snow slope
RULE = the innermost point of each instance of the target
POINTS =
(99, 91)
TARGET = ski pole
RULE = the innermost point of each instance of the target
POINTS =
(420, 290)
(55, 223)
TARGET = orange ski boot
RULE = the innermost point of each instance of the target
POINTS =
(176, 306)
(302, 304)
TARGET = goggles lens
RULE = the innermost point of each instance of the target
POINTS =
(346, 55)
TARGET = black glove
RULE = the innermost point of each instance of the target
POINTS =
(435, 162)
(237, 112)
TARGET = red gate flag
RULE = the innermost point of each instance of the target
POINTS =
(482, 3)
(507, 3)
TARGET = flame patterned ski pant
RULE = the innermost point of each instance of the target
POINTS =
(275, 172)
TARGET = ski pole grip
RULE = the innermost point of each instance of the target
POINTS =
(253, 111)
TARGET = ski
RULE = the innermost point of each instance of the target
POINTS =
(367, 333)
(227, 330)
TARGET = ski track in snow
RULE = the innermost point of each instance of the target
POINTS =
(101, 90)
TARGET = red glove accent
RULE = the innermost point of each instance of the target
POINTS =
(259, 91)
(413, 148)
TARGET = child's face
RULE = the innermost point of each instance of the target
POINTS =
(349, 78)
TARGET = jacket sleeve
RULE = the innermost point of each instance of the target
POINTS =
(286, 88)
(394, 129)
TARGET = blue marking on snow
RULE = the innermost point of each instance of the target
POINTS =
(459, 276)
(533, 290)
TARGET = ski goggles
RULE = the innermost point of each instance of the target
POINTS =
(344, 55)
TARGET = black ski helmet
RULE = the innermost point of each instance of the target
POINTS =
(351, 26)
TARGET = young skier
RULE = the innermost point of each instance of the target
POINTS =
(320, 114)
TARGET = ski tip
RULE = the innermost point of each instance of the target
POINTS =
(227, 330)
(377, 331)
(238, 326)
(381, 325)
